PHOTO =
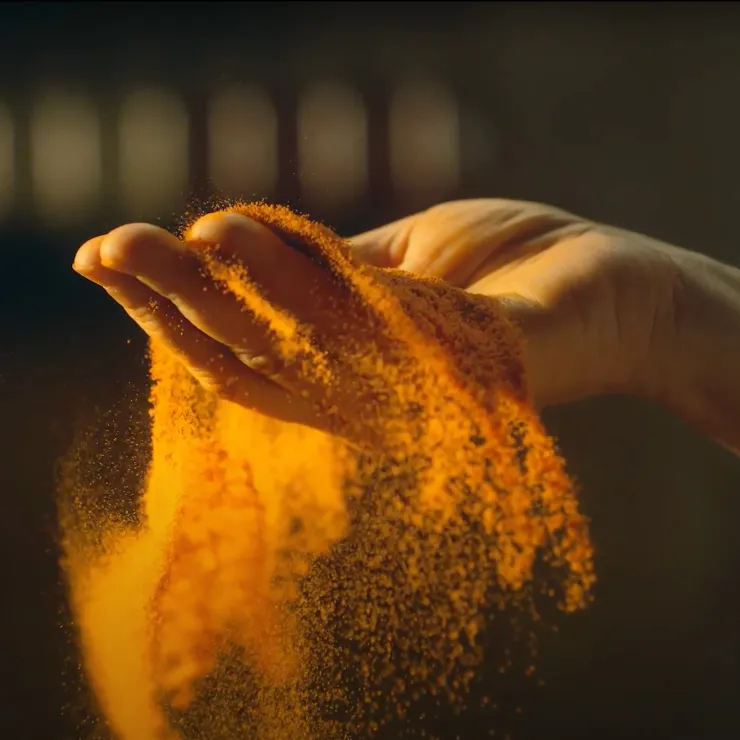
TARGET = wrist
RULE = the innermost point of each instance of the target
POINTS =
(695, 368)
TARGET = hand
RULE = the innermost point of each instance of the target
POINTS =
(594, 302)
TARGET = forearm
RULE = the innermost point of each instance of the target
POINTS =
(702, 363)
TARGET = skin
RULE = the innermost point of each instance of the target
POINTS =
(602, 310)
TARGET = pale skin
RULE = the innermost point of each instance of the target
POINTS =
(602, 310)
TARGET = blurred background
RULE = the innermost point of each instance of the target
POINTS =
(359, 113)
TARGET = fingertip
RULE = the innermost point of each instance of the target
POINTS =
(205, 226)
(222, 227)
(87, 258)
(122, 248)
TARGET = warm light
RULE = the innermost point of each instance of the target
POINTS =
(7, 160)
(424, 141)
(332, 145)
(243, 144)
(66, 168)
(153, 153)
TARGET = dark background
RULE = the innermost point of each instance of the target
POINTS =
(626, 113)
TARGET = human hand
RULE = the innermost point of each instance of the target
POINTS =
(595, 303)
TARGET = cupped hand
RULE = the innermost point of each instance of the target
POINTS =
(595, 303)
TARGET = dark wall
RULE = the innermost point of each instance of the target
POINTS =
(627, 113)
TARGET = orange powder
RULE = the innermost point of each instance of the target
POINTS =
(287, 583)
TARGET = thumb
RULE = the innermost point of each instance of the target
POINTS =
(384, 246)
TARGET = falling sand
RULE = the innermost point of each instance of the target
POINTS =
(286, 583)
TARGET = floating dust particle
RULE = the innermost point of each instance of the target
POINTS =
(291, 584)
